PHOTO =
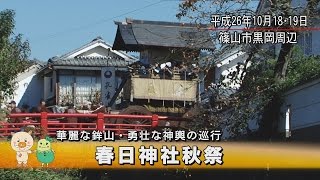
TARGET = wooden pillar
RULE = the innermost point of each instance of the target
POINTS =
(74, 88)
(155, 120)
(44, 124)
(100, 121)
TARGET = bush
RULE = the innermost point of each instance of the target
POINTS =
(301, 70)
(3, 114)
(35, 174)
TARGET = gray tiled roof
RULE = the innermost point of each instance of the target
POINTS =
(94, 41)
(135, 34)
(93, 61)
(119, 59)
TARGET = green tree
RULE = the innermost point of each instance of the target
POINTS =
(261, 84)
(14, 52)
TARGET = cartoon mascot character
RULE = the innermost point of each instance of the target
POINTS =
(22, 142)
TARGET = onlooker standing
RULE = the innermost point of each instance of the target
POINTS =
(71, 110)
(25, 108)
(14, 109)
(35, 110)
(42, 107)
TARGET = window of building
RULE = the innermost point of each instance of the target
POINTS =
(308, 47)
(87, 89)
(51, 84)
(305, 42)
(66, 89)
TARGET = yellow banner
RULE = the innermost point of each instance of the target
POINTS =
(164, 89)
(191, 155)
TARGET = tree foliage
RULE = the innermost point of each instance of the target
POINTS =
(14, 52)
(264, 81)
(259, 97)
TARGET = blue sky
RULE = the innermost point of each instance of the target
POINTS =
(59, 26)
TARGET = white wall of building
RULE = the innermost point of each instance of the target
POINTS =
(21, 88)
(97, 52)
(305, 106)
(29, 88)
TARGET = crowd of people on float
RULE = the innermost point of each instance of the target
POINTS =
(167, 69)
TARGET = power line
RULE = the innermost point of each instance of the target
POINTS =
(102, 20)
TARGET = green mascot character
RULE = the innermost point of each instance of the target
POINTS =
(45, 153)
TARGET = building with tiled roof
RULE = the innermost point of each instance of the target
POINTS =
(77, 77)
(137, 35)
(159, 41)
